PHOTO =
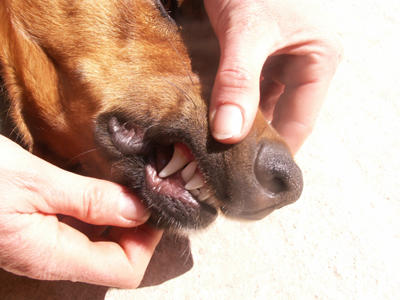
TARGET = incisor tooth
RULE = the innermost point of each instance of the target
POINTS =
(195, 183)
(177, 162)
(204, 194)
(188, 171)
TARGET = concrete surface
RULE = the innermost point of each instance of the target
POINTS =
(342, 239)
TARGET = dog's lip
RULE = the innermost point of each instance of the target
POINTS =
(247, 215)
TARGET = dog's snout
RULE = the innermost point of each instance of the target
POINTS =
(277, 182)
(279, 178)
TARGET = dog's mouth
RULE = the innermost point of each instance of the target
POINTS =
(176, 191)
(177, 176)
(162, 170)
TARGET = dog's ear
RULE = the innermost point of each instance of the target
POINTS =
(26, 73)
(12, 123)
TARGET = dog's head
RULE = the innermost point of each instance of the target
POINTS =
(113, 89)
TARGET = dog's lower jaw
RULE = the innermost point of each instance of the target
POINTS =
(172, 206)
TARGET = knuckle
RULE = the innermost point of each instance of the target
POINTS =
(92, 203)
(236, 78)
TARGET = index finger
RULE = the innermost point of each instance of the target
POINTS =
(67, 254)
(120, 263)
(306, 79)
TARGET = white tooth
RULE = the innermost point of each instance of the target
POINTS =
(204, 194)
(195, 183)
(188, 171)
(177, 162)
(195, 192)
(208, 201)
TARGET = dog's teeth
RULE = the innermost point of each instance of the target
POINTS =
(195, 192)
(195, 183)
(177, 162)
(204, 194)
(188, 172)
(209, 201)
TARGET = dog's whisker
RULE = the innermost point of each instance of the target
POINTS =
(181, 90)
(187, 255)
(147, 209)
(180, 57)
(79, 155)
(158, 223)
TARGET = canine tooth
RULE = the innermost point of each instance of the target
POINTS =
(204, 194)
(195, 183)
(188, 171)
(177, 162)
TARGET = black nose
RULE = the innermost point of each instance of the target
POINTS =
(278, 181)
(276, 171)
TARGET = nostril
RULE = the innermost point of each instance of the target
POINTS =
(271, 183)
(276, 171)
(275, 182)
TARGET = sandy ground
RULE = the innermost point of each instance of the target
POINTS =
(342, 239)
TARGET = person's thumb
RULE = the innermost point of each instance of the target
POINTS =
(236, 92)
(90, 200)
(40, 187)
(234, 100)
(99, 202)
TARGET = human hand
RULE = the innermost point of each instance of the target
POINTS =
(34, 243)
(277, 55)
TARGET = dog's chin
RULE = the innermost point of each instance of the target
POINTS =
(175, 215)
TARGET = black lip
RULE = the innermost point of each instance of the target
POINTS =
(247, 215)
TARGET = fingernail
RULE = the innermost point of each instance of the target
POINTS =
(131, 208)
(228, 122)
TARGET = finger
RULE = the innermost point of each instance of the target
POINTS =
(235, 96)
(296, 112)
(306, 78)
(96, 201)
(67, 254)
(55, 191)
(101, 202)
(234, 100)
(120, 263)
(87, 229)
(270, 90)
(297, 108)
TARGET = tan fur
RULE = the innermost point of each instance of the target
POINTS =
(42, 65)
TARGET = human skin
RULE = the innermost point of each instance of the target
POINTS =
(35, 242)
(286, 43)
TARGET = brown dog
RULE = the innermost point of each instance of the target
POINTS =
(112, 88)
